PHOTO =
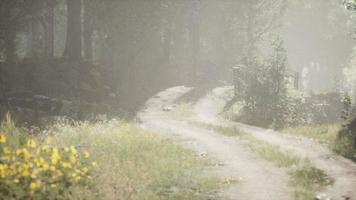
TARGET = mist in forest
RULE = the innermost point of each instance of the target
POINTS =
(131, 49)
(178, 99)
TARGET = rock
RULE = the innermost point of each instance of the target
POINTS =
(167, 108)
(344, 197)
(322, 196)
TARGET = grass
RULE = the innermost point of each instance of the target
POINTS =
(327, 135)
(182, 111)
(324, 134)
(304, 177)
(134, 164)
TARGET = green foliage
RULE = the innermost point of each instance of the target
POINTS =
(132, 164)
(265, 90)
(16, 137)
(334, 136)
(32, 171)
(346, 140)
(307, 180)
(324, 134)
(136, 164)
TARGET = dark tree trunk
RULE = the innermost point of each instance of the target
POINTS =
(88, 32)
(50, 29)
(10, 46)
(73, 47)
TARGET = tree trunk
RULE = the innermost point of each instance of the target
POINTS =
(167, 35)
(73, 46)
(10, 46)
(88, 32)
(50, 29)
(195, 38)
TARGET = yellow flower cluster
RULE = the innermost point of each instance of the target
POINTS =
(35, 170)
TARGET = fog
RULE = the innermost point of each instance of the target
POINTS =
(263, 90)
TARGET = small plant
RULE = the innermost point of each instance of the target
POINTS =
(41, 171)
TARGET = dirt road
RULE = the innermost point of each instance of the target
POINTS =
(341, 170)
(258, 179)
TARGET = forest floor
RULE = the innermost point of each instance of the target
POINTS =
(258, 174)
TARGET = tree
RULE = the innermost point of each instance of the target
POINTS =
(12, 20)
(265, 92)
(88, 29)
(73, 47)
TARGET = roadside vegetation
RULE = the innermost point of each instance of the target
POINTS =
(306, 179)
(103, 160)
(328, 135)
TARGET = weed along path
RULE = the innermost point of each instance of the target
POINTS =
(251, 177)
(341, 171)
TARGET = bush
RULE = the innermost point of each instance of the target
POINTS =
(265, 90)
(34, 172)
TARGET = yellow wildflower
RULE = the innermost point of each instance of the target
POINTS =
(72, 159)
(55, 156)
(34, 185)
(25, 173)
(2, 138)
(31, 143)
(85, 170)
(45, 148)
(6, 150)
(45, 167)
(66, 165)
(73, 150)
(52, 168)
(49, 140)
(86, 154)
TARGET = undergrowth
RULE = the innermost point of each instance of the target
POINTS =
(327, 135)
(131, 163)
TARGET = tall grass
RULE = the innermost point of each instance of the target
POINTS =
(327, 135)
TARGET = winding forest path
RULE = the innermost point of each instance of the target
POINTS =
(340, 169)
(259, 179)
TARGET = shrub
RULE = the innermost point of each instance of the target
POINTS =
(265, 90)
(37, 171)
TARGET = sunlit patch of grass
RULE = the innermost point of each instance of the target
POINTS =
(233, 113)
(304, 177)
(307, 179)
(271, 152)
(182, 111)
(325, 134)
(138, 165)
(230, 131)
(16, 136)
